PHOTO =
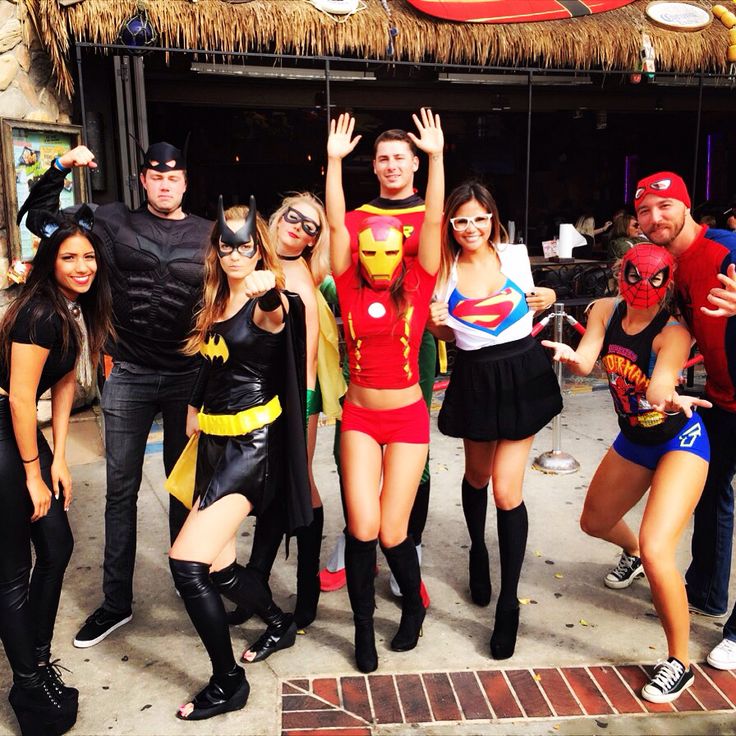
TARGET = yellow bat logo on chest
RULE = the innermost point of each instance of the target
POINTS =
(215, 347)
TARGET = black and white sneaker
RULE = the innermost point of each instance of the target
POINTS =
(669, 680)
(99, 626)
(629, 568)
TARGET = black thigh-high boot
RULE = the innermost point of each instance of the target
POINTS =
(360, 564)
(308, 545)
(269, 532)
(404, 564)
(513, 527)
(475, 504)
(245, 587)
(228, 688)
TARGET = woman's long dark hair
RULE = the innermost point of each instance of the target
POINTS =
(41, 287)
(467, 192)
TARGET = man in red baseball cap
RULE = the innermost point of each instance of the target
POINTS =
(705, 280)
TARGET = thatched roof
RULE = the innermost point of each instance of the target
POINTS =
(609, 40)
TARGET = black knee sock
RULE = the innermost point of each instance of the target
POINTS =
(418, 516)
(267, 538)
(475, 504)
(206, 611)
(513, 527)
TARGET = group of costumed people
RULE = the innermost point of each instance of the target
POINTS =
(225, 330)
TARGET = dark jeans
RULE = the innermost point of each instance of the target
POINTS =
(131, 398)
(709, 572)
(28, 606)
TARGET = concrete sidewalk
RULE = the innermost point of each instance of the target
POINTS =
(133, 682)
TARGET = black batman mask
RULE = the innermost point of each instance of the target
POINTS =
(164, 157)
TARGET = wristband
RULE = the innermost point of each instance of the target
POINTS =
(270, 300)
(32, 460)
(57, 165)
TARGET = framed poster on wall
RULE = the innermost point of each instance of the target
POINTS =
(28, 149)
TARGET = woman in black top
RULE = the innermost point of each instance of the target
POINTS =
(663, 446)
(63, 310)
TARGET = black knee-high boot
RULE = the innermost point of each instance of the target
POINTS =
(513, 527)
(475, 503)
(269, 532)
(245, 587)
(419, 511)
(404, 564)
(227, 689)
(308, 544)
(360, 564)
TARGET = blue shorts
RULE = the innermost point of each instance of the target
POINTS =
(691, 438)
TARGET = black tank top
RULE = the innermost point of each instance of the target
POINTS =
(629, 361)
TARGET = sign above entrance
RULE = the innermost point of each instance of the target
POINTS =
(514, 11)
(678, 16)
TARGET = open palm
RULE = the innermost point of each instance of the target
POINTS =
(341, 142)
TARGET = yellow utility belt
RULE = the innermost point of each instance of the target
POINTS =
(248, 420)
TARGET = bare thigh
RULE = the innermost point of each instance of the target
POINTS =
(361, 462)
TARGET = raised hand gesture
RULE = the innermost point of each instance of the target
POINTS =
(431, 139)
(340, 141)
(79, 156)
(723, 299)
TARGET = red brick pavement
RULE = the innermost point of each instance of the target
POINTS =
(353, 705)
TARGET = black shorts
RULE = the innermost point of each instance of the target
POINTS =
(506, 391)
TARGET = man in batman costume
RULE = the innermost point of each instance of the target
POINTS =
(155, 259)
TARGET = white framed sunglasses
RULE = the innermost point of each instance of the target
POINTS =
(478, 221)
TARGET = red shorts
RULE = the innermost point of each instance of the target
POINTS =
(406, 424)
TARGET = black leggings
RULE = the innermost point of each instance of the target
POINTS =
(28, 602)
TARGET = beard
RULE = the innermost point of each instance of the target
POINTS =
(666, 235)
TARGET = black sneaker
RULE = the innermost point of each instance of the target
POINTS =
(669, 680)
(628, 569)
(99, 626)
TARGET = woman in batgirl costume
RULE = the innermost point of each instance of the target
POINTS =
(662, 446)
(248, 407)
(502, 390)
(385, 425)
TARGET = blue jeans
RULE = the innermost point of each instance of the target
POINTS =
(131, 398)
(709, 572)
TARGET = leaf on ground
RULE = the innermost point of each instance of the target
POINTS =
(559, 575)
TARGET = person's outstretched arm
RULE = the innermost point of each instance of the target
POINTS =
(432, 141)
(339, 144)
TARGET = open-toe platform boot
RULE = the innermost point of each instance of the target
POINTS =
(223, 694)
(360, 565)
(404, 564)
(280, 634)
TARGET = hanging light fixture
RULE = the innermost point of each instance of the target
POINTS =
(138, 32)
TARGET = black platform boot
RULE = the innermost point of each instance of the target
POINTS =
(308, 544)
(360, 565)
(245, 587)
(404, 564)
(228, 688)
(40, 711)
(475, 503)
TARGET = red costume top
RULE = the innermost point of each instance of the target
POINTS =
(383, 350)
(696, 274)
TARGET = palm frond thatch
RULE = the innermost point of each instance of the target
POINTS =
(609, 40)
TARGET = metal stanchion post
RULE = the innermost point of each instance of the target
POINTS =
(557, 461)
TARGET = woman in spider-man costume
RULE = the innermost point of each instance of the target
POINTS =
(502, 390)
(662, 446)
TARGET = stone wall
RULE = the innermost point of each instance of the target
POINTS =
(26, 91)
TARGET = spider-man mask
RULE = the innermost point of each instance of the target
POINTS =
(646, 272)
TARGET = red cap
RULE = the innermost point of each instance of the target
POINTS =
(663, 184)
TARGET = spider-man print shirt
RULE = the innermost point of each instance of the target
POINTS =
(696, 274)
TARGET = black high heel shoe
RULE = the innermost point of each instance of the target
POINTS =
(479, 575)
(223, 694)
(505, 628)
(40, 712)
(410, 629)
(366, 656)
(280, 634)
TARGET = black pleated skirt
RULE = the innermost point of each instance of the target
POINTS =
(506, 391)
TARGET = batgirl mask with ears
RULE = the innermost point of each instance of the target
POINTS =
(231, 240)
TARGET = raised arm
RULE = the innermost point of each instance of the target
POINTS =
(582, 360)
(339, 144)
(44, 194)
(431, 140)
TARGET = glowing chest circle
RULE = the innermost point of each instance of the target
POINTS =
(376, 310)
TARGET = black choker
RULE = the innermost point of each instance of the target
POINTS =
(290, 258)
